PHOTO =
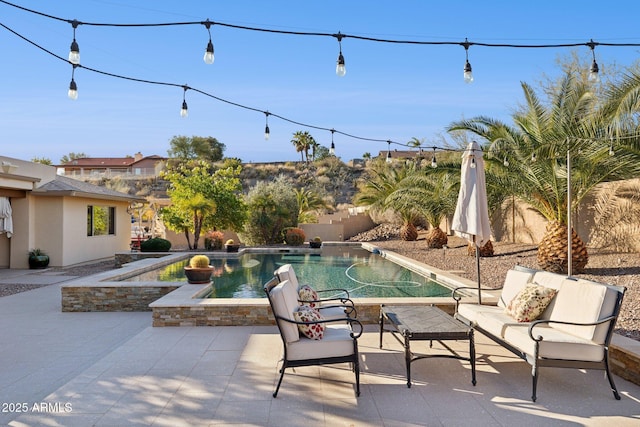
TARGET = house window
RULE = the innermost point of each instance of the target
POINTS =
(101, 220)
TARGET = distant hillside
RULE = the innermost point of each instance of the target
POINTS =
(331, 178)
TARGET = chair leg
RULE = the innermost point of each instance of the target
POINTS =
(356, 368)
(614, 389)
(534, 377)
(275, 393)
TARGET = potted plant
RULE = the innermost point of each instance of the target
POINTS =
(231, 246)
(198, 271)
(316, 242)
(38, 258)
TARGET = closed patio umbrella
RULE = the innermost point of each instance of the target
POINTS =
(6, 221)
(471, 217)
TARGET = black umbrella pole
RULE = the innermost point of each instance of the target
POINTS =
(478, 272)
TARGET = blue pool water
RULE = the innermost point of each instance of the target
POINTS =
(364, 274)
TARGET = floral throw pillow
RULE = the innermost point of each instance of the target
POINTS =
(307, 314)
(530, 302)
(307, 293)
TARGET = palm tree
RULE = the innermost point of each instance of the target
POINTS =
(383, 181)
(531, 157)
(432, 194)
(303, 141)
(309, 203)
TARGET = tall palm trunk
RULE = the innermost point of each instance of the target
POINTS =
(552, 250)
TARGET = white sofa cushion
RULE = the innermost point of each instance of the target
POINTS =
(556, 344)
(471, 312)
(513, 283)
(549, 280)
(496, 321)
(336, 342)
(285, 301)
(583, 301)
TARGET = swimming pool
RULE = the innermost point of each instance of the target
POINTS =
(363, 273)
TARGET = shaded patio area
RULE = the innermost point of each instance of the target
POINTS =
(109, 369)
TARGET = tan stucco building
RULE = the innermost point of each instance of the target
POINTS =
(72, 221)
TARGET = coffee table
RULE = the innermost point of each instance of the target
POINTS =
(426, 323)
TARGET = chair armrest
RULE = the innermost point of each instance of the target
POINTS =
(546, 321)
(457, 296)
(335, 290)
(354, 334)
(343, 301)
(348, 309)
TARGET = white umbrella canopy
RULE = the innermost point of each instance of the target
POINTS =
(471, 217)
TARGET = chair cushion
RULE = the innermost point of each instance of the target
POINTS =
(332, 312)
(285, 272)
(284, 300)
(583, 302)
(337, 342)
(530, 302)
(513, 283)
(556, 344)
(307, 293)
(313, 331)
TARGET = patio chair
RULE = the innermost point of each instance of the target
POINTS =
(338, 345)
(337, 305)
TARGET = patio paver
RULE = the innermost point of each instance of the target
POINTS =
(114, 369)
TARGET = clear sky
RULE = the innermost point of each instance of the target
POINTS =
(390, 92)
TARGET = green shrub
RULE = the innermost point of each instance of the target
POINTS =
(273, 206)
(294, 236)
(155, 244)
(213, 240)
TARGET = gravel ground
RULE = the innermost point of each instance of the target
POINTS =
(615, 268)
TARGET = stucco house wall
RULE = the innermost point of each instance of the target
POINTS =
(50, 213)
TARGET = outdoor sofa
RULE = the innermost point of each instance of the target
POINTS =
(573, 331)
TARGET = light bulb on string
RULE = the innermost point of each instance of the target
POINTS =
(267, 132)
(73, 87)
(473, 162)
(468, 75)
(208, 52)
(505, 162)
(434, 162)
(388, 152)
(533, 157)
(340, 67)
(184, 111)
(332, 150)
(594, 70)
(74, 51)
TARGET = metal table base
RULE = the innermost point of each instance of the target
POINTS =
(426, 323)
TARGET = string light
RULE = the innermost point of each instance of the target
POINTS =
(208, 52)
(184, 111)
(73, 87)
(468, 75)
(505, 162)
(388, 152)
(340, 68)
(533, 157)
(594, 70)
(332, 150)
(434, 162)
(267, 133)
(74, 51)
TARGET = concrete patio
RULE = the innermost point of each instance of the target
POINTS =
(114, 369)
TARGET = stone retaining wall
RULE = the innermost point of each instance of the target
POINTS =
(112, 298)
